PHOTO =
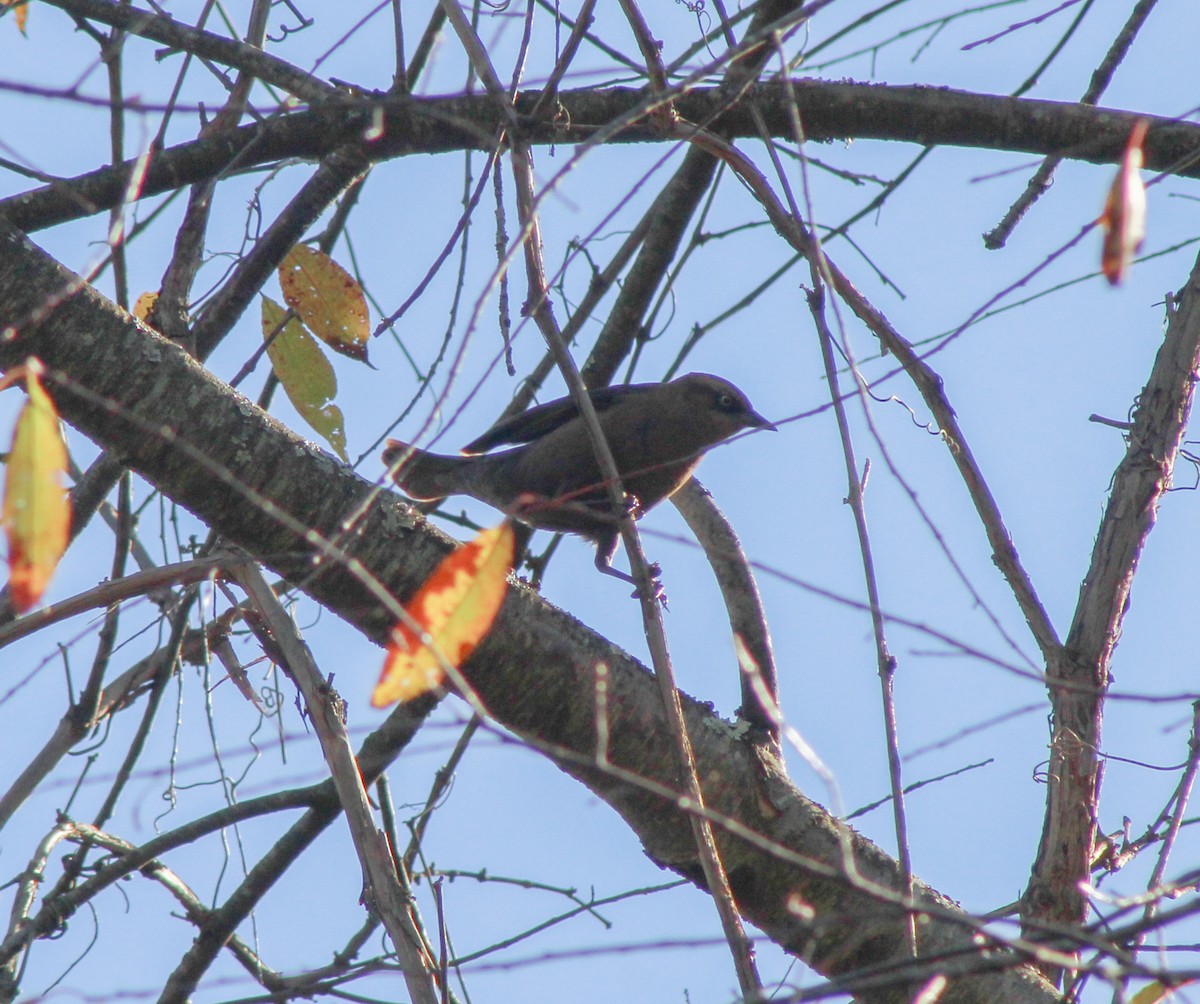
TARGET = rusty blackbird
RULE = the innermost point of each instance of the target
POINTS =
(658, 433)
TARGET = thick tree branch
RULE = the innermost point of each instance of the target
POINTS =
(812, 885)
(1078, 677)
(400, 126)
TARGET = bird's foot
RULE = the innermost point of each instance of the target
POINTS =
(656, 591)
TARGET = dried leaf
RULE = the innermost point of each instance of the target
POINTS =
(36, 514)
(306, 375)
(327, 299)
(20, 12)
(1124, 218)
(1154, 992)
(143, 305)
(455, 607)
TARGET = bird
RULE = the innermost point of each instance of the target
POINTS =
(550, 479)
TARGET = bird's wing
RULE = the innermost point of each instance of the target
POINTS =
(545, 418)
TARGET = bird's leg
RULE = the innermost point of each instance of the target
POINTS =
(634, 510)
(606, 549)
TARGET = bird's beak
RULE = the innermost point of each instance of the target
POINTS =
(756, 421)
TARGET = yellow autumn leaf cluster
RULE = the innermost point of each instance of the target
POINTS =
(324, 302)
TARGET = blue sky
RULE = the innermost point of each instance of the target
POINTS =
(1024, 383)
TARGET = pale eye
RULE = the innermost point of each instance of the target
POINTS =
(725, 402)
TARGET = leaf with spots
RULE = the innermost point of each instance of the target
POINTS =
(327, 299)
(455, 609)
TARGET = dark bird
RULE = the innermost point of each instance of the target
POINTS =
(658, 433)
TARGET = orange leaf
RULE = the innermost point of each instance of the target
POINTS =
(20, 12)
(1124, 218)
(455, 608)
(327, 299)
(143, 305)
(36, 514)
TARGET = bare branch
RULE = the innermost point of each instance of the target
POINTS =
(401, 126)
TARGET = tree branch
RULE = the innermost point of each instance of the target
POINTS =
(186, 38)
(285, 502)
(401, 125)
(1078, 676)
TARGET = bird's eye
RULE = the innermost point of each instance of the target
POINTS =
(726, 402)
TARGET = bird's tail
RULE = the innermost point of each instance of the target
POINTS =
(424, 476)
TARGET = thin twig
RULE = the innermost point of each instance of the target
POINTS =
(1040, 183)
(326, 710)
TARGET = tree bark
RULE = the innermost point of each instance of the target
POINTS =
(807, 881)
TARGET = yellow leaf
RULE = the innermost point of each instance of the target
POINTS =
(455, 607)
(143, 305)
(1154, 992)
(1124, 218)
(36, 514)
(327, 299)
(306, 375)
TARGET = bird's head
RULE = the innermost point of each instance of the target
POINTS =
(717, 406)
